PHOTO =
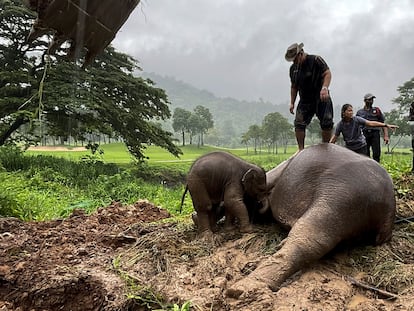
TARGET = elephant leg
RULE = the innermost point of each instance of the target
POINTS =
(214, 217)
(305, 243)
(235, 208)
(202, 205)
(229, 220)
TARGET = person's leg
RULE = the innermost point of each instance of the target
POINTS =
(368, 138)
(362, 150)
(303, 117)
(326, 135)
(300, 138)
(376, 145)
(324, 112)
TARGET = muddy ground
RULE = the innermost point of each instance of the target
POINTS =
(136, 257)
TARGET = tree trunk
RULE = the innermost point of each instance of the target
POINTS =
(183, 139)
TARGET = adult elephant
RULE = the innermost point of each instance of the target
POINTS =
(220, 179)
(325, 194)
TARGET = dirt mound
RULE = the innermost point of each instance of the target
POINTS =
(134, 257)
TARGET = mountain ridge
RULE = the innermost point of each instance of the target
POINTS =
(229, 114)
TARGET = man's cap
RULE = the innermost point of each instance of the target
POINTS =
(368, 96)
(292, 51)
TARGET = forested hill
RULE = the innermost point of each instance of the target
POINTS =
(229, 114)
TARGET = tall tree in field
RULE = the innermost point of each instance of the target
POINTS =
(275, 129)
(205, 121)
(406, 97)
(255, 132)
(48, 92)
(397, 117)
(195, 124)
(245, 139)
(181, 118)
(18, 72)
(400, 115)
(314, 130)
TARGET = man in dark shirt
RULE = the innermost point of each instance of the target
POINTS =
(372, 134)
(310, 77)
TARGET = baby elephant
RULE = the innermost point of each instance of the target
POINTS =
(221, 179)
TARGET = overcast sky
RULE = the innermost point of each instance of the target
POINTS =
(235, 48)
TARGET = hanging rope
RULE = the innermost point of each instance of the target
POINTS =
(40, 107)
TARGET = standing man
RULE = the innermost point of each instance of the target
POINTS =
(372, 134)
(310, 77)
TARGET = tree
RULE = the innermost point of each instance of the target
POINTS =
(17, 71)
(48, 92)
(245, 139)
(406, 97)
(396, 117)
(194, 126)
(181, 119)
(275, 129)
(286, 132)
(314, 130)
(255, 133)
(399, 116)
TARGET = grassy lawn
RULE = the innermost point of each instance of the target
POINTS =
(39, 188)
(118, 153)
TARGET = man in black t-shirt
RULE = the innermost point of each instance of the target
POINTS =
(372, 134)
(310, 77)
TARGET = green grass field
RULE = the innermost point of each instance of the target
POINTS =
(118, 153)
(43, 185)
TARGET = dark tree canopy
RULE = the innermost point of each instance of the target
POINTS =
(49, 92)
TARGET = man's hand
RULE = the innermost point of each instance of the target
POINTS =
(324, 94)
(292, 108)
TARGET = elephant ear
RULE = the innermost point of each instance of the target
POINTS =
(250, 175)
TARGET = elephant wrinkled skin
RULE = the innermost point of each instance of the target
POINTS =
(326, 194)
(220, 179)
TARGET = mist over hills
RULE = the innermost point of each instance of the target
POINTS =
(228, 113)
(231, 117)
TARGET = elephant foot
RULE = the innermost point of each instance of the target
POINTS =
(206, 235)
(247, 287)
(246, 229)
(267, 277)
(229, 227)
(194, 217)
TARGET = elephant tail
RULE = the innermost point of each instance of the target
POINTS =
(183, 197)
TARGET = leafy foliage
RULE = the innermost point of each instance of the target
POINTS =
(276, 130)
(54, 97)
(406, 97)
(194, 123)
(45, 187)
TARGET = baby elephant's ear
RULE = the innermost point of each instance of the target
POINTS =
(250, 175)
